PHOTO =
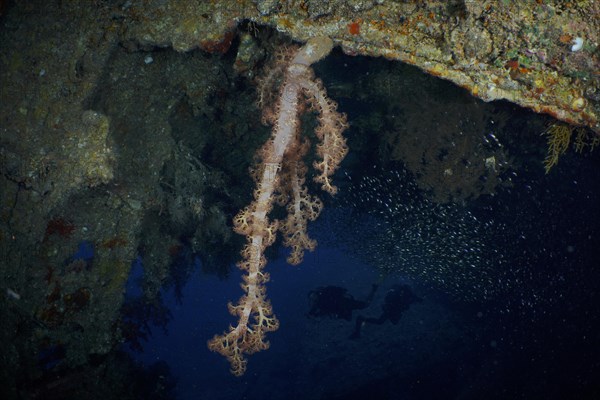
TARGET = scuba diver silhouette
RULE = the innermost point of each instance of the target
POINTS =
(397, 300)
(336, 302)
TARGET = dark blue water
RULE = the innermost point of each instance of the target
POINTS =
(537, 339)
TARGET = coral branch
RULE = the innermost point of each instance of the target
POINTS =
(280, 178)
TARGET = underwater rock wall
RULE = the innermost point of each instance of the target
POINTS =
(541, 55)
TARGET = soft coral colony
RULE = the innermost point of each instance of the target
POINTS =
(280, 178)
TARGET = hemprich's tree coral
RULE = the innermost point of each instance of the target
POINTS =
(280, 178)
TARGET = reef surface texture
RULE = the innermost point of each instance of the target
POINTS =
(541, 55)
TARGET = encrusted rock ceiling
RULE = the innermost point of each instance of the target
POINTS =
(543, 55)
